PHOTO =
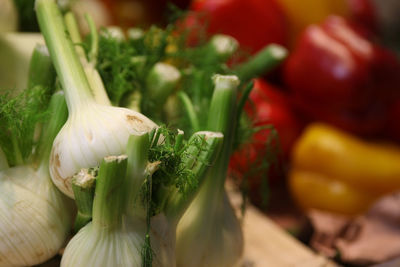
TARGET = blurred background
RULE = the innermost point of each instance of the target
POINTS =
(334, 106)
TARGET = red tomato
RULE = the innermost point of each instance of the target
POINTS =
(364, 12)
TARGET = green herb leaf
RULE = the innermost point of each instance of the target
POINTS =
(19, 118)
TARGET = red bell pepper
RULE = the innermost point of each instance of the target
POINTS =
(339, 76)
(254, 23)
(392, 129)
(363, 12)
(263, 158)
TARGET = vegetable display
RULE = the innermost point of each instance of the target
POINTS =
(338, 172)
(118, 150)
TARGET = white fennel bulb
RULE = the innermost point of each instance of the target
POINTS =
(35, 217)
(116, 237)
(89, 135)
(210, 228)
(92, 130)
(122, 246)
(118, 247)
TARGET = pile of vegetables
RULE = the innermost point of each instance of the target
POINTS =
(138, 132)
(123, 138)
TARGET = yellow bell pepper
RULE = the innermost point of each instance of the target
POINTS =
(335, 171)
(301, 13)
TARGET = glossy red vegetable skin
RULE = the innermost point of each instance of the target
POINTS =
(267, 105)
(364, 12)
(254, 23)
(392, 129)
(337, 75)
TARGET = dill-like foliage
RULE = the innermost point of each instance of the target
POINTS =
(263, 166)
(171, 172)
(116, 68)
(165, 153)
(123, 74)
(120, 73)
(19, 118)
(167, 148)
(173, 175)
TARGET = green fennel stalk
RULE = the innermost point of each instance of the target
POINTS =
(209, 225)
(41, 70)
(62, 51)
(262, 62)
(109, 203)
(83, 185)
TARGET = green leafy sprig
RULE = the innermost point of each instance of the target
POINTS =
(20, 117)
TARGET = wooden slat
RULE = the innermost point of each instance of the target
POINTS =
(268, 245)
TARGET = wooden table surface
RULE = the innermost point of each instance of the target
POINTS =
(268, 245)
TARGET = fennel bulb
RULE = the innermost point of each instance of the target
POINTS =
(122, 246)
(209, 226)
(92, 130)
(113, 238)
(35, 218)
(211, 229)
(90, 134)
